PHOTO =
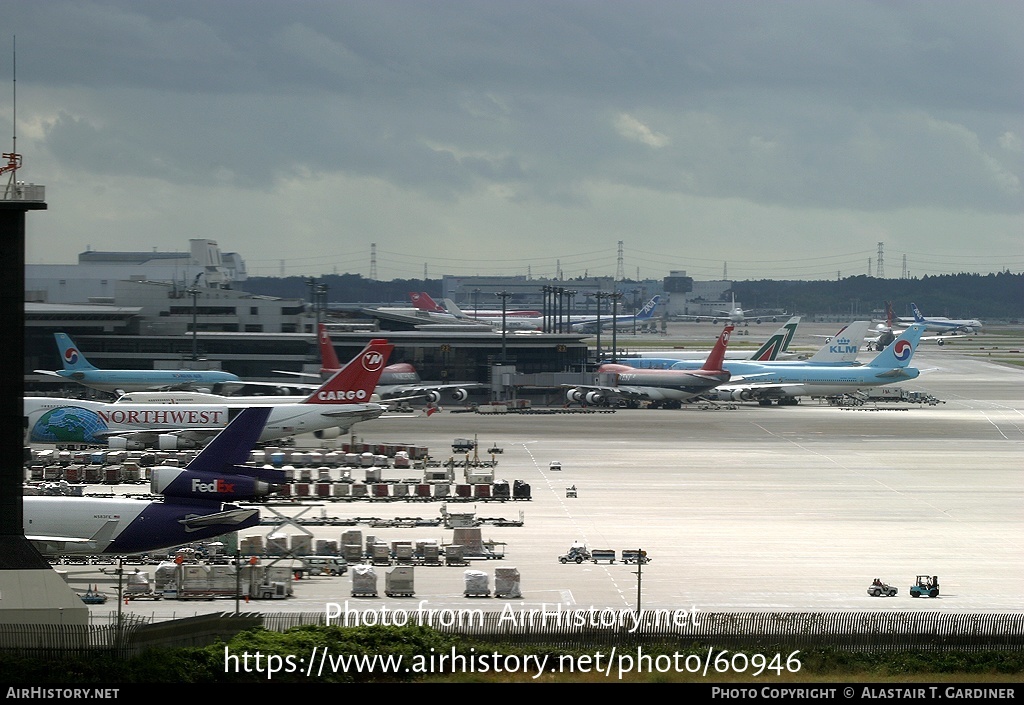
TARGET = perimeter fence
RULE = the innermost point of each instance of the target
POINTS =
(562, 629)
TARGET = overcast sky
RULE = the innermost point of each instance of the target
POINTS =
(763, 139)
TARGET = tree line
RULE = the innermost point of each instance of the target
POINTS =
(989, 297)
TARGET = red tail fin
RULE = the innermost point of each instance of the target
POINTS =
(423, 302)
(355, 382)
(714, 361)
(329, 362)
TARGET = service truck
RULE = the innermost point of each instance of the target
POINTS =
(204, 581)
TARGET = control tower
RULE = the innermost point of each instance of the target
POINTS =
(31, 592)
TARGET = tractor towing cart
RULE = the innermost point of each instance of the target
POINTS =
(576, 554)
(925, 586)
(880, 589)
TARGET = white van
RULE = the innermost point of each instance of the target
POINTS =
(326, 565)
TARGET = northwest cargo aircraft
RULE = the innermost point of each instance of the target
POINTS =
(398, 382)
(194, 505)
(327, 412)
(78, 369)
(664, 388)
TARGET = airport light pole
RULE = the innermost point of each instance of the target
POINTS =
(599, 295)
(504, 298)
(615, 297)
(194, 292)
(570, 302)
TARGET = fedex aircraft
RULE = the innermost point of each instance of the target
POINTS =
(78, 369)
(194, 506)
(329, 411)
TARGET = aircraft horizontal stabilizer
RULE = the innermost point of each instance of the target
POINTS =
(231, 517)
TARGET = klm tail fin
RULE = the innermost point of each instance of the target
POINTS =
(844, 345)
(901, 351)
(71, 356)
(778, 342)
(648, 310)
(355, 382)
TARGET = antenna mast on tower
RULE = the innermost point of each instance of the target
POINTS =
(12, 157)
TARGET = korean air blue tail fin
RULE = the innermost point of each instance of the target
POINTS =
(70, 355)
(901, 351)
(778, 342)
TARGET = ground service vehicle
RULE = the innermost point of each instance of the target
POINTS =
(325, 565)
(880, 589)
(925, 586)
(576, 554)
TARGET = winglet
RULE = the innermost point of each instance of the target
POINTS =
(354, 383)
(70, 355)
(714, 361)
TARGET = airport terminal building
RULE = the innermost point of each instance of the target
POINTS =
(182, 310)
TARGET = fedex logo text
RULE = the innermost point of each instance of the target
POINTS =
(179, 417)
(216, 487)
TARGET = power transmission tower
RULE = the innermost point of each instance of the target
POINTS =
(879, 264)
(373, 260)
(620, 272)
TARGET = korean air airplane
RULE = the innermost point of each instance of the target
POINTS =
(78, 369)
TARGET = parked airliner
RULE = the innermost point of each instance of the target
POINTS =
(665, 388)
(331, 410)
(79, 369)
(193, 507)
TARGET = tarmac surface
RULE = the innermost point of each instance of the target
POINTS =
(751, 509)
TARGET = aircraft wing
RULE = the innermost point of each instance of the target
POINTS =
(150, 437)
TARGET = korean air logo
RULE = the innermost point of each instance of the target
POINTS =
(372, 361)
(902, 349)
(71, 356)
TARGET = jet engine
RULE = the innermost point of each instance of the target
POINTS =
(168, 441)
(122, 443)
(573, 396)
(594, 398)
(758, 321)
(434, 395)
(326, 434)
(246, 483)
